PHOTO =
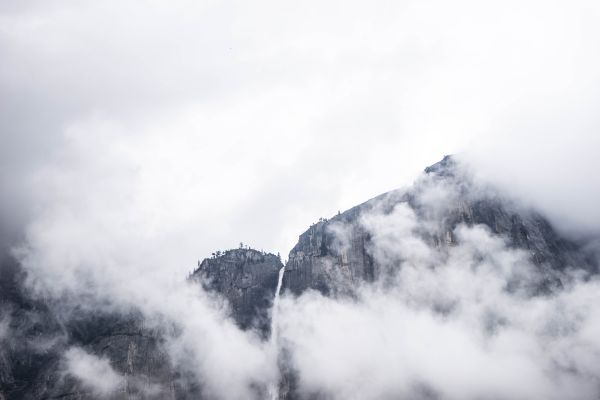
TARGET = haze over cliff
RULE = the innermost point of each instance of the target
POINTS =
(446, 289)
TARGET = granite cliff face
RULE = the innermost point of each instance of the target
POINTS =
(247, 278)
(333, 256)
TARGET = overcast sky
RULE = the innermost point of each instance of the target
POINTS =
(183, 127)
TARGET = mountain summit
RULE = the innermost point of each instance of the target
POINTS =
(337, 254)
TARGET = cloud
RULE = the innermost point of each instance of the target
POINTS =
(97, 375)
(93, 372)
(210, 100)
(547, 168)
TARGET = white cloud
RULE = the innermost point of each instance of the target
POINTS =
(93, 372)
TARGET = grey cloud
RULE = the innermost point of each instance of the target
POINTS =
(551, 168)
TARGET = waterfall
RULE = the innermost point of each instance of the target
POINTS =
(274, 315)
(274, 386)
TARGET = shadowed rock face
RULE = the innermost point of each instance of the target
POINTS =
(333, 256)
(30, 334)
(135, 352)
(36, 336)
(247, 278)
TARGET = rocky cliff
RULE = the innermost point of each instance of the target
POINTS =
(247, 278)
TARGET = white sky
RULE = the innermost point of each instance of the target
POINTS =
(183, 127)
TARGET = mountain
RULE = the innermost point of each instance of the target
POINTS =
(320, 262)
(333, 257)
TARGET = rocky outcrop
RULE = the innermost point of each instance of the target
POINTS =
(247, 278)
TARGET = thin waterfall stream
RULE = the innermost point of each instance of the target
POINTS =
(273, 342)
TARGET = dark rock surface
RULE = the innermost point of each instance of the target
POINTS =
(247, 278)
(29, 334)
(135, 352)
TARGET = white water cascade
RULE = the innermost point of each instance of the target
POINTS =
(273, 390)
